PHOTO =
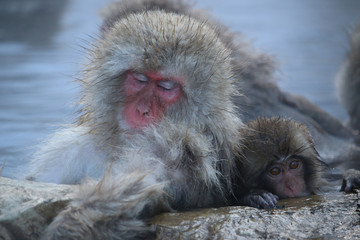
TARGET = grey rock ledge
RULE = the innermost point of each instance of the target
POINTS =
(26, 208)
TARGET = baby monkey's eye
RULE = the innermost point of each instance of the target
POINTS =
(294, 164)
(275, 171)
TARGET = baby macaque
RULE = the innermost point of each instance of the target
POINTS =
(279, 161)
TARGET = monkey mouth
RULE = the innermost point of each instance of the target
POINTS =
(290, 192)
(144, 122)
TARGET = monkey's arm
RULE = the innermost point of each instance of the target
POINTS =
(110, 209)
(351, 181)
(67, 157)
(259, 198)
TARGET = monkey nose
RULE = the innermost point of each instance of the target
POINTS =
(142, 113)
(290, 185)
(142, 110)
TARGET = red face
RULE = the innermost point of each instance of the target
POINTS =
(287, 179)
(148, 97)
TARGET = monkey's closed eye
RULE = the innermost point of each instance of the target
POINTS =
(294, 164)
(167, 85)
(275, 171)
(142, 79)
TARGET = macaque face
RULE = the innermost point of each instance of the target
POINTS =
(148, 97)
(286, 179)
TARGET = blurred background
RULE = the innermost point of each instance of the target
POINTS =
(41, 55)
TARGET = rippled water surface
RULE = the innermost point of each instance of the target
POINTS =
(41, 55)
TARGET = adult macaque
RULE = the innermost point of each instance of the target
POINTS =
(149, 67)
(158, 114)
(280, 162)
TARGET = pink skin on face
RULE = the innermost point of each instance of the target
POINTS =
(149, 95)
(287, 179)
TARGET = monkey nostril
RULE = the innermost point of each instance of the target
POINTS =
(291, 186)
(141, 113)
